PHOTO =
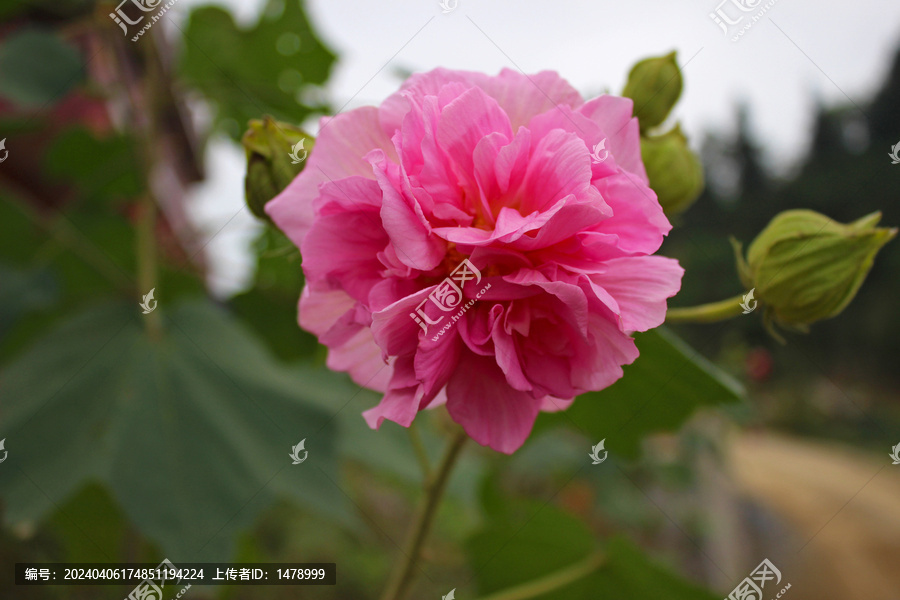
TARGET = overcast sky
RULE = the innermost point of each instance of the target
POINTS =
(799, 52)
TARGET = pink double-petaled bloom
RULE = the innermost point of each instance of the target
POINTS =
(497, 171)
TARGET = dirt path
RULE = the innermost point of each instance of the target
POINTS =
(842, 506)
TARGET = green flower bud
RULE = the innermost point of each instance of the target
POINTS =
(806, 267)
(675, 172)
(276, 153)
(655, 86)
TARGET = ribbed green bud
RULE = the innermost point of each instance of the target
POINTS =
(675, 172)
(806, 267)
(276, 153)
(655, 86)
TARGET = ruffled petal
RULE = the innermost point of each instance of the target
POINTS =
(339, 152)
(491, 412)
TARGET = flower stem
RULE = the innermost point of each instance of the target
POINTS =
(551, 582)
(707, 313)
(421, 455)
(404, 571)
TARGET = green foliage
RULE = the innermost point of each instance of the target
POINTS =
(37, 67)
(191, 432)
(270, 305)
(659, 392)
(256, 71)
(24, 291)
(525, 541)
(103, 169)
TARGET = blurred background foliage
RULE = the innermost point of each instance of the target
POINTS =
(133, 438)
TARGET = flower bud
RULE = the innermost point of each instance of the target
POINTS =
(806, 267)
(675, 172)
(655, 86)
(276, 153)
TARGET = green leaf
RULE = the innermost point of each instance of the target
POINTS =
(659, 392)
(37, 67)
(528, 541)
(24, 291)
(97, 168)
(263, 69)
(191, 433)
(629, 574)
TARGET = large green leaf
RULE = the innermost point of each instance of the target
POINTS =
(37, 67)
(658, 392)
(259, 70)
(528, 541)
(99, 169)
(191, 432)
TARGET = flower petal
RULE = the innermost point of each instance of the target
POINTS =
(491, 412)
(339, 152)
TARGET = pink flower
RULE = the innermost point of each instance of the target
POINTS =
(547, 198)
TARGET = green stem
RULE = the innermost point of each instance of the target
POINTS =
(146, 257)
(707, 313)
(419, 448)
(551, 582)
(404, 571)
